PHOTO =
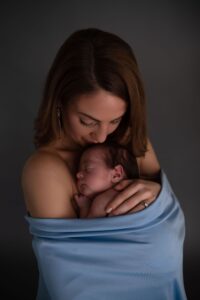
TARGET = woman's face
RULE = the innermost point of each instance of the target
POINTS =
(92, 117)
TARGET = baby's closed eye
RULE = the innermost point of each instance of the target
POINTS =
(88, 168)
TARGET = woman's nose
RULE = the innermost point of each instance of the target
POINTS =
(100, 135)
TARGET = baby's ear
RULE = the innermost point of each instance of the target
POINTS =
(117, 173)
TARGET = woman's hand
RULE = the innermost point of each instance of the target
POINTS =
(134, 195)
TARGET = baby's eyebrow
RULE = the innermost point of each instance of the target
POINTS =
(86, 162)
(88, 116)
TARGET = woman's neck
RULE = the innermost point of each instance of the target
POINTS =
(68, 152)
(65, 143)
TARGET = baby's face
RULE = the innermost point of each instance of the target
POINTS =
(93, 175)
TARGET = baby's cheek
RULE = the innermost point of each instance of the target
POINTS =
(92, 179)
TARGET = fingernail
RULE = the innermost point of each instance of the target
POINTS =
(109, 210)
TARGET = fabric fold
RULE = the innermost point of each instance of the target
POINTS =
(134, 256)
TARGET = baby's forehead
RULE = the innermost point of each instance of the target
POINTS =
(93, 154)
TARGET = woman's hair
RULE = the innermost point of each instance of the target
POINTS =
(116, 154)
(90, 60)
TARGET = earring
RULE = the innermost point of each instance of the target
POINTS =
(58, 111)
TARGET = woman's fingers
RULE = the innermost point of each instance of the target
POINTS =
(133, 203)
(124, 195)
(130, 188)
(122, 184)
(140, 206)
(132, 198)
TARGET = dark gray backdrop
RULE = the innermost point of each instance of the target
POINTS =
(165, 38)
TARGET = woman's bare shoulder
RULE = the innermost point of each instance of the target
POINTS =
(44, 160)
(47, 186)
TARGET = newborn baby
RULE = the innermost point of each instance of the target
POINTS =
(101, 166)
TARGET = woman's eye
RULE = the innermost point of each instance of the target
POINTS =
(91, 124)
(117, 121)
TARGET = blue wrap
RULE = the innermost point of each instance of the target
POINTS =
(132, 257)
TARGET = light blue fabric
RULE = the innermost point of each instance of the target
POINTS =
(132, 257)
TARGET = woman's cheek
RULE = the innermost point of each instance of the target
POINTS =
(113, 128)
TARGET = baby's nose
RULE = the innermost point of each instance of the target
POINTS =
(79, 175)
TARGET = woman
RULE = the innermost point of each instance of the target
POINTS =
(93, 93)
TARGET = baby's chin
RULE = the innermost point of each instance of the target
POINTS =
(85, 190)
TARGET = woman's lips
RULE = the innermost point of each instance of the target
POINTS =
(90, 142)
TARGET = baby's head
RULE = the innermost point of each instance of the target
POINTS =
(102, 166)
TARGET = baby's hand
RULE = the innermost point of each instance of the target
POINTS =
(83, 203)
(81, 200)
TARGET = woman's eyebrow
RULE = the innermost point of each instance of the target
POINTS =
(88, 116)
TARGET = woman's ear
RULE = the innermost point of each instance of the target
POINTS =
(117, 174)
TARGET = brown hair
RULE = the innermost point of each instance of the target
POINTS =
(89, 60)
(116, 154)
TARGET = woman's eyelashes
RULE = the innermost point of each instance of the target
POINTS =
(117, 121)
(88, 124)
(93, 124)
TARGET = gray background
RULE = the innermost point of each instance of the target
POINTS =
(165, 38)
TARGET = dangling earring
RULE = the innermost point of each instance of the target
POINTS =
(58, 111)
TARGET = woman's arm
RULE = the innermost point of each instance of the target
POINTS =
(148, 165)
(137, 194)
(48, 187)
